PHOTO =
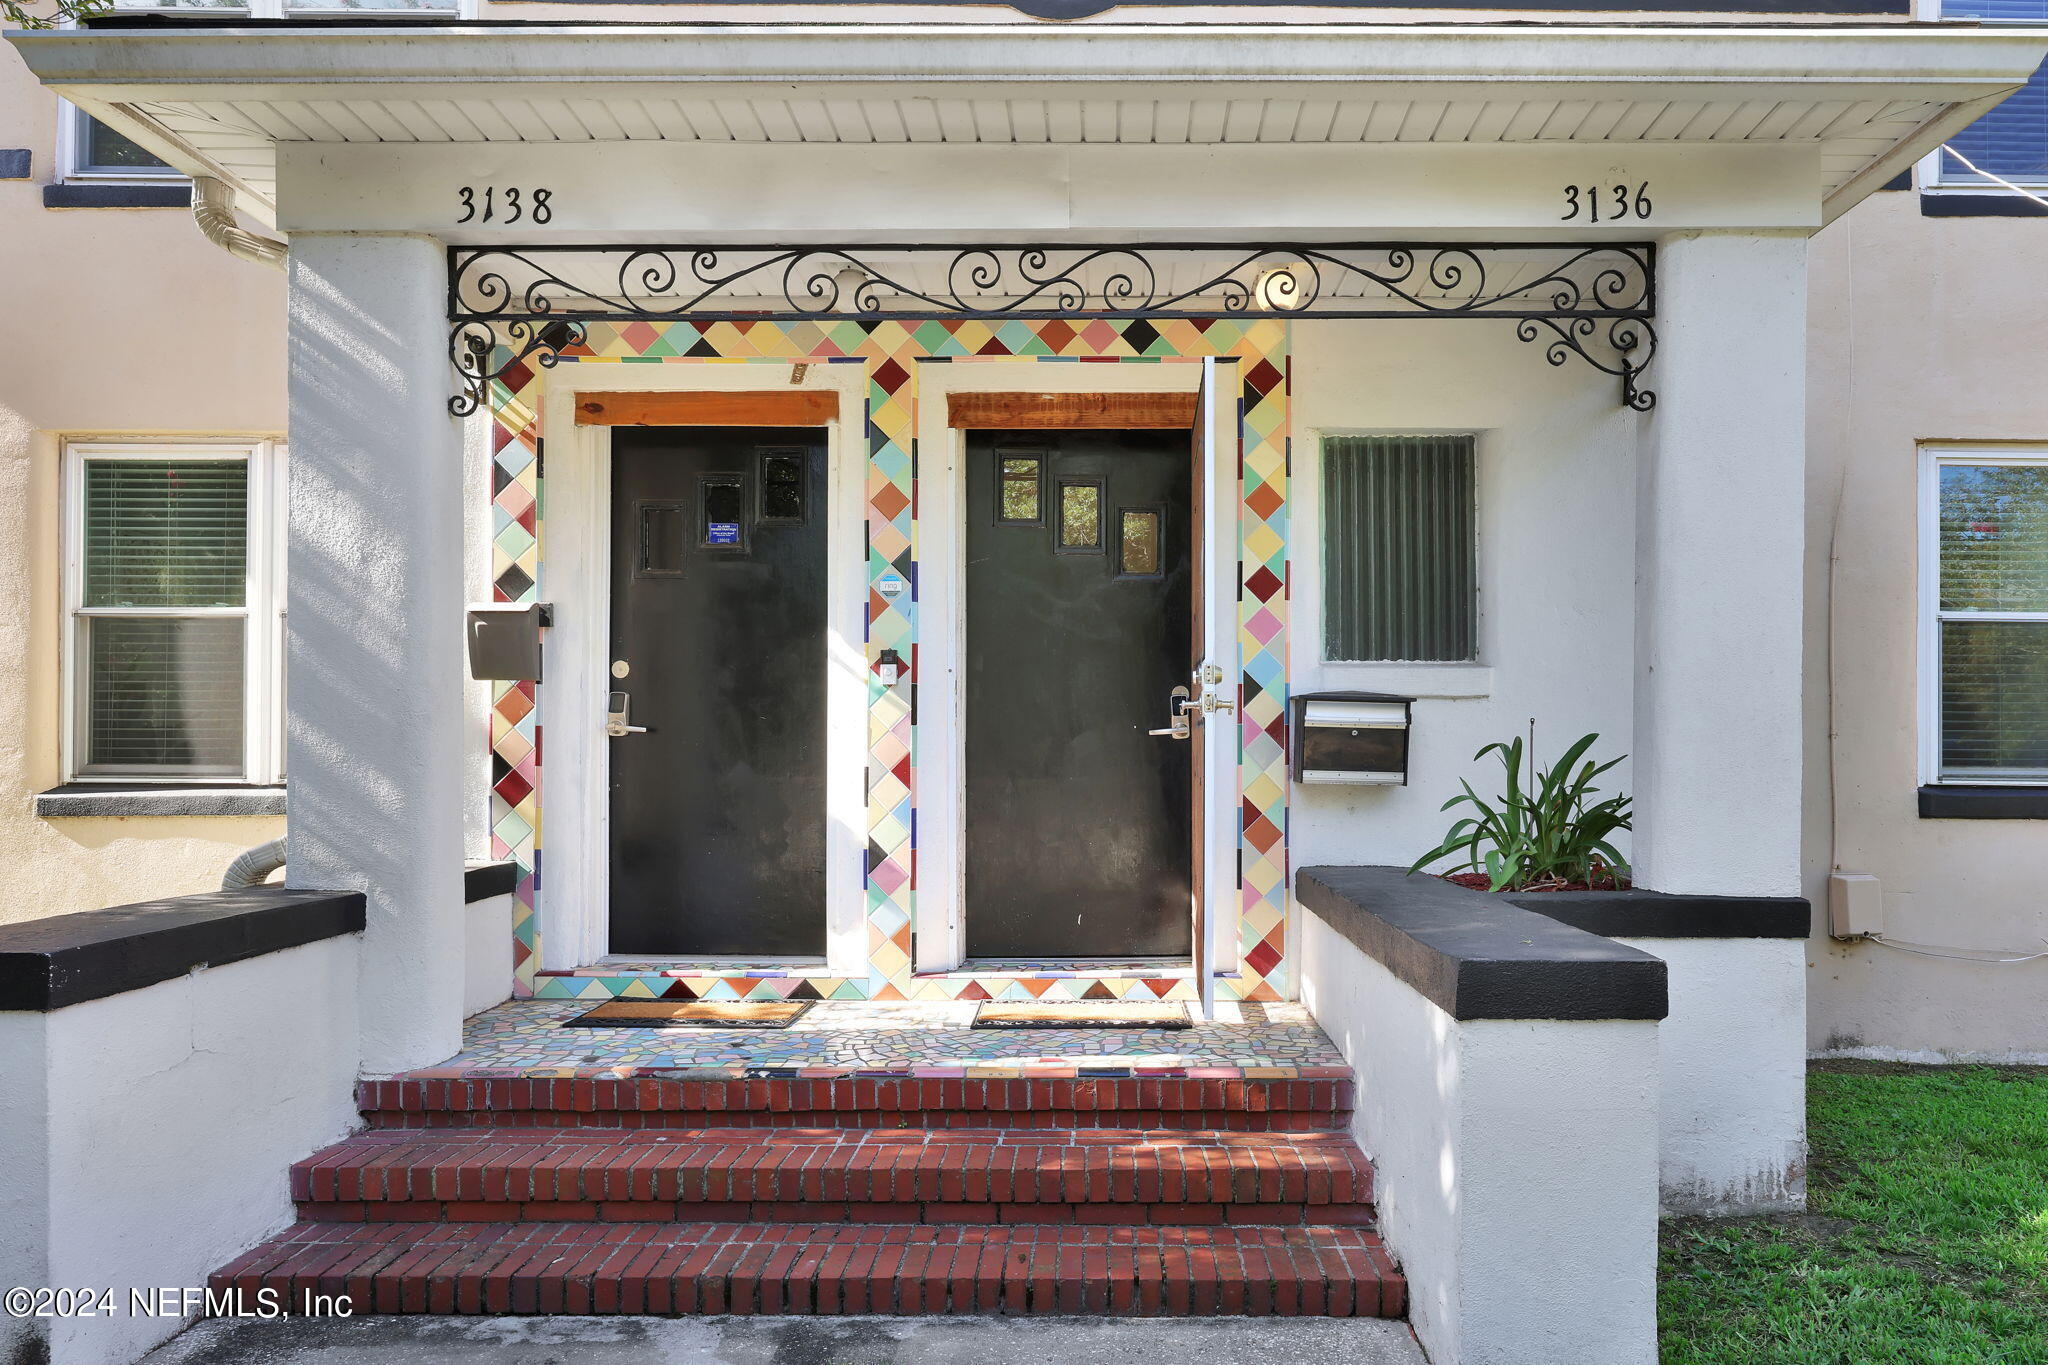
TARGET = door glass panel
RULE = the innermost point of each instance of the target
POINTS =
(724, 499)
(664, 537)
(1137, 542)
(1020, 490)
(1080, 530)
(782, 486)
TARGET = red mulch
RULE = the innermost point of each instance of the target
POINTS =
(1479, 881)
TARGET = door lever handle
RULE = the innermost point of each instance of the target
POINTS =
(618, 710)
(1183, 712)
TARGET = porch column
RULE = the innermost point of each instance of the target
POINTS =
(375, 744)
(1719, 562)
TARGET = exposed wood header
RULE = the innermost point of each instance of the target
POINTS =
(768, 408)
(1115, 411)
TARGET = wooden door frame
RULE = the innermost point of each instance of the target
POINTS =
(574, 905)
(940, 941)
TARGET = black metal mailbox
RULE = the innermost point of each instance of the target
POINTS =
(1356, 738)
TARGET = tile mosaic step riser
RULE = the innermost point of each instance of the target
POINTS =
(824, 1212)
(1177, 1120)
(589, 1095)
(789, 1268)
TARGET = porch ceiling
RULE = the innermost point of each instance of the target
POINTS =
(220, 99)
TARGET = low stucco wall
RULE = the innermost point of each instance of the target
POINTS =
(487, 954)
(1733, 1049)
(1515, 1165)
(146, 1137)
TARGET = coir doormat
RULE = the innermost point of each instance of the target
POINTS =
(1080, 1014)
(692, 1014)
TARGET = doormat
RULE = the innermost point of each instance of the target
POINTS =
(692, 1014)
(1081, 1014)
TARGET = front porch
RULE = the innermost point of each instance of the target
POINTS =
(1400, 1096)
(926, 1039)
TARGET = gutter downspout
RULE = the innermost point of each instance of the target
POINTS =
(254, 867)
(213, 209)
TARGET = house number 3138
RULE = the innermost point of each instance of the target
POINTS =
(505, 204)
(1611, 202)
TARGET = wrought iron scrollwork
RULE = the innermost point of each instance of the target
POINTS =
(526, 306)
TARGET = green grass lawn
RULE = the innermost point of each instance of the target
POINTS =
(1925, 1241)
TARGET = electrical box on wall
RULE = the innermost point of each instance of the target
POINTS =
(1855, 905)
(504, 640)
(1356, 738)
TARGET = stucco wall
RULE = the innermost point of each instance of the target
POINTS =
(1556, 518)
(170, 1119)
(1922, 329)
(125, 322)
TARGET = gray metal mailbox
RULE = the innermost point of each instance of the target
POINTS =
(504, 640)
(1359, 738)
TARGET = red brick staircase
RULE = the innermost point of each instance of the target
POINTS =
(1130, 1196)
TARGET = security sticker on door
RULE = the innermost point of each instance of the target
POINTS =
(722, 533)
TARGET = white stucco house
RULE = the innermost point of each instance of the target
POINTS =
(946, 509)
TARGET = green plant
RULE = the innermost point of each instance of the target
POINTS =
(27, 14)
(1548, 832)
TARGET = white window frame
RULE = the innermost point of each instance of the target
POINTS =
(263, 608)
(1939, 173)
(71, 145)
(1933, 459)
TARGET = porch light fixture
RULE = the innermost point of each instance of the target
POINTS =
(1280, 289)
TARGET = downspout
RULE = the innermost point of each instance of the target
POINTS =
(213, 208)
(254, 867)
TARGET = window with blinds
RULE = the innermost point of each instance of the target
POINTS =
(161, 615)
(1399, 577)
(2010, 142)
(1991, 617)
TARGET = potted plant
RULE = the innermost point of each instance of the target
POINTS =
(1545, 834)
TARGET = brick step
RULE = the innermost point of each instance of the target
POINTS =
(839, 1175)
(671, 1268)
(1246, 1104)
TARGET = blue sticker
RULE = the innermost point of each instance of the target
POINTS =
(723, 533)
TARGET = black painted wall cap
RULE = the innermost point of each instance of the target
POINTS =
(46, 964)
(482, 881)
(1659, 914)
(1480, 956)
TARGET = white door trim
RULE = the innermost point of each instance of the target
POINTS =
(574, 899)
(941, 933)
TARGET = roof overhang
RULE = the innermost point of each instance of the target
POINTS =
(222, 100)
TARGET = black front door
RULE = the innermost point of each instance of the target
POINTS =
(718, 642)
(1078, 628)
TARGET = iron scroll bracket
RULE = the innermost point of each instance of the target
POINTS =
(524, 307)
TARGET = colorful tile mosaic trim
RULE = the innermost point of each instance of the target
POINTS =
(891, 352)
(931, 1038)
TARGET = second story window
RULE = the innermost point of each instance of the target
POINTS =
(2010, 142)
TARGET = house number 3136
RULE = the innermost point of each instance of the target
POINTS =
(505, 204)
(1611, 202)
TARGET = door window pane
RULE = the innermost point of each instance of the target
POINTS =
(1994, 537)
(164, 692)
(166, 533)
(782, 486)
(1994, 699)
(1137, 542)
(1019, 489)
(1080, 529)
(1399, 579)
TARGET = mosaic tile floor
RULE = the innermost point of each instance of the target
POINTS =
(925, 1038)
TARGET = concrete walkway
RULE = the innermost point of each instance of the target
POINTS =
(792, 1341)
